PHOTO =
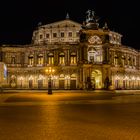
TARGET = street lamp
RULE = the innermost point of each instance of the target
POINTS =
(50, 71)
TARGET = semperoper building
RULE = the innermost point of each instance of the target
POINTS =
(74, 56)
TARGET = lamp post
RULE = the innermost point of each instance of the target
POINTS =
(49, 72)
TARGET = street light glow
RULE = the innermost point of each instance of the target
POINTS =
(50, 71)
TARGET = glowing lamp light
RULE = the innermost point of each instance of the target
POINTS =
(138, 78)
(21, 78)
(50, 71)
(133, 78)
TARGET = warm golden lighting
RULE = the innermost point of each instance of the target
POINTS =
(67, 77)
(50, 70)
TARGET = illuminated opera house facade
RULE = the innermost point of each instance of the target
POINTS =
(75, 56)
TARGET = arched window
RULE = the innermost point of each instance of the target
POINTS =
(30, 59)
(73, 75)
(61, 76)
(40, 59)
(73, 58)
(51, 58)
(61, 58)
(129, 60)
(116, 60)
(94, 54)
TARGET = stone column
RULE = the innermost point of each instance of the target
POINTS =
(105, 54)
(81, 78)
(35, 58)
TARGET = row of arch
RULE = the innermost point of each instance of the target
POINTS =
(41, 81)
(50, 60)
(66, 81)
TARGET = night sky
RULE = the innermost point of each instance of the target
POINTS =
(18, 18)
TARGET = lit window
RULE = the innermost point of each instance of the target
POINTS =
(73, 58)
(116, 60)
(61, 58)
(40, 59)
(98, 58)
(31, 60)
(51, 58)
(91, 58)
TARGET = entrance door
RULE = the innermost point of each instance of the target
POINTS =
(40, 84)
(72, 84)
(96, 79)
(30, 83)
(61, 84)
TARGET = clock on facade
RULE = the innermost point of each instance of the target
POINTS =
(95, 40)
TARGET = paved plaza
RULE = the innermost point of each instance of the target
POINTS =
(71, 115)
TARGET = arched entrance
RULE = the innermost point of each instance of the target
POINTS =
(61, 81)
(40, 81)
(96, 79)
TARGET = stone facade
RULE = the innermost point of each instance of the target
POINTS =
(82, 56)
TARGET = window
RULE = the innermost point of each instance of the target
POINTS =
(129, 60)
(73, 58)
(13, 60)
(47, 35)
(91, 58)
(51, 58)
(8, 57)
(77, 34)
(40, 59)
(98, 58)
(61, 58)
(41, 36)
(134, 61)
(123, 60)
(70, 34)
(31, 60)
(116, 60)
(62, 34)
(94, 55)
(54, 34)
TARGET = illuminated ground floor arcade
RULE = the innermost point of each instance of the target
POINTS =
(85, 77)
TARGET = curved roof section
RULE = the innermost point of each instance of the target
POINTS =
(62, 23)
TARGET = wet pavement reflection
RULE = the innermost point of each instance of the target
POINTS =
(70, 117)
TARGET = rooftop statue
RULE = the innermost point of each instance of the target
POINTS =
(91, 16)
